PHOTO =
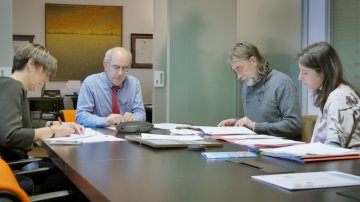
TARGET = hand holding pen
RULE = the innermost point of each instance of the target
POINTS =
(64, 129)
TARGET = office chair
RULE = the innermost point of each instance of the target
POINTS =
(68, 115)
(354, 138)
(308, 127)
(10, 189)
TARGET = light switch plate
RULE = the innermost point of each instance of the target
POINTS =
(5, 71)
(158, 78)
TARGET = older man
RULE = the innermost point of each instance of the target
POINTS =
(269, 97)
(113, 96)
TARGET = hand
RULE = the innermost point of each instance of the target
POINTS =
(227, 122)
(128, 117)
(114, 119)
(246, 122)
(79, 129)
(67, 129)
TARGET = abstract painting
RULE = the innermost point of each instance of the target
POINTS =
(79, 35)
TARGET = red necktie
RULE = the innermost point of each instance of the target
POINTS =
(115, 106)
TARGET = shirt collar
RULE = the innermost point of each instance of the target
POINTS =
(109, 83)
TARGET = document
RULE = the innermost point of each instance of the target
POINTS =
(111, 127)
(233, 138)
(312, 152)
(209, 130)
(234, 154)
(185, 132)
(89, 136)
(169, 126)
(240, 130)
(313, 149)
(310, 180)
(274, 142)
(148, 136)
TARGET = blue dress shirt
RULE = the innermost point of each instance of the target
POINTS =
(94, 101)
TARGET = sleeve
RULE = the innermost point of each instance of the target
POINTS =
(139, 111)
(290, 124)
(86, 106)
(13, 135)
(340, 120)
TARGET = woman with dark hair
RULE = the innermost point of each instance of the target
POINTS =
(321, 71)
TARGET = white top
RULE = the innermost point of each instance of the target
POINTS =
(334, 125)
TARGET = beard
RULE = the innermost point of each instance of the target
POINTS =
(250, 82)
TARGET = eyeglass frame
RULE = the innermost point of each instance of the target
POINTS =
(117, 68)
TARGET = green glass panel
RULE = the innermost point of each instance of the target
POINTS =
(202, 87)
(346, 37)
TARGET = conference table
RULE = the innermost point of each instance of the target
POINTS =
(128, 171)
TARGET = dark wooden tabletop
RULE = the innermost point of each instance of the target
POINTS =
(127, 171)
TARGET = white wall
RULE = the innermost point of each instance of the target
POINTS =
(29, 19)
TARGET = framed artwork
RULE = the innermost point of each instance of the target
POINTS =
(141, 50)
(21, 40)
(79, 35)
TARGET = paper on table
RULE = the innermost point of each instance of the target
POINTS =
(267, 142)
(111, 127)
(318, 149)
(310, 180)
(169, 126)
(147, 136)
(184, 132)
(210, 130)
(233, 138)
(90, 136)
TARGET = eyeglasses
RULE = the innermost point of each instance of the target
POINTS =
(117, 68)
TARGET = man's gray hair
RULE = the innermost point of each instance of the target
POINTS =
(109, 53)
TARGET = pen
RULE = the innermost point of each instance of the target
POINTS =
(59, 119)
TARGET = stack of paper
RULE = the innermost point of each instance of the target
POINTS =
(148, 136)
(90, 136)
(271, 142)
(234, 138)
(312, 152)
(311, 180)
(208, 130)
(230, 154)
(169, 126)
(239, 130)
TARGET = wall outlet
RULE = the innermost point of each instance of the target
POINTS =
(158, 78)
(5, 71)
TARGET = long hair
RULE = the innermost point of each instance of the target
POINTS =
(324, 59)
(243, 51)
